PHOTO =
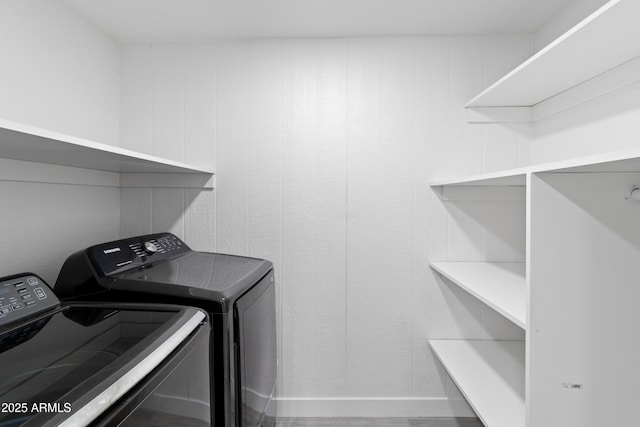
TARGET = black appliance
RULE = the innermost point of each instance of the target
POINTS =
(99, 364)
(237, 292)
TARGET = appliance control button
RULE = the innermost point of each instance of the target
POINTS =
(18, 284)
(32, 281)
(22, 290)
(28, 303)
(5, 310)
(40, 293)
(27, 296)
(17, 306)
(150, 248)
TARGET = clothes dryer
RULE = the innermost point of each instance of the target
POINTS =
(237, 292)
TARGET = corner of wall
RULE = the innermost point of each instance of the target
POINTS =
(569, 16)
(59, 72)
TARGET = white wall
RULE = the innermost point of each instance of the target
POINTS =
(603, 124)
(44, 223)
(59, 73)
(323, 150)
(168, 108)
(569, 16)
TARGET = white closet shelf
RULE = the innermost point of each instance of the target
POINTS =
(597, 44)
(612, 162)
(23, 142)
(500, 285)
(490, 375)
(510, 177)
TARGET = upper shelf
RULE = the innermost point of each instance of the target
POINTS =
(28, 143)
(601, 42)
(614, 162)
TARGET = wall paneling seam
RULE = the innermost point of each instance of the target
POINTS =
(346, 214)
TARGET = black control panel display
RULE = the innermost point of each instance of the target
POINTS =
(116, 257)
(23, 295)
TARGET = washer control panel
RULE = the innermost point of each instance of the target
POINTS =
(23, 295)
(134, 253)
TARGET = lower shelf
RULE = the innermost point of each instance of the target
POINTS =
(490, 374)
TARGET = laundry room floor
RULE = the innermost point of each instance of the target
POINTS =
(377, 422)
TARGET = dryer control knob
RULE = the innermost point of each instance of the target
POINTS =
(150, 248)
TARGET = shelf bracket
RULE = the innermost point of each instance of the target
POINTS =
(202, 181)
(499, 114)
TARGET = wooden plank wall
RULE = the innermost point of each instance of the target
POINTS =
(168, 98)
(323, 150)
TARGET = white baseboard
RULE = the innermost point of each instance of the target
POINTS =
(255, 400)
(372, 407)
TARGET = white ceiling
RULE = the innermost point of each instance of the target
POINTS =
(136, 20)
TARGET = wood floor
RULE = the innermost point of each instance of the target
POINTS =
(157, 419)
(376, 422)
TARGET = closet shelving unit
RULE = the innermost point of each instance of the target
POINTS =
(490, 373)
(575, 209)
(31, 144)
(497, 365)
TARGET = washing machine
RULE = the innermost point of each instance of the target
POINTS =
(237, 292)
(99, 364)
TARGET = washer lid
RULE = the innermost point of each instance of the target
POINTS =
(70, 365)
